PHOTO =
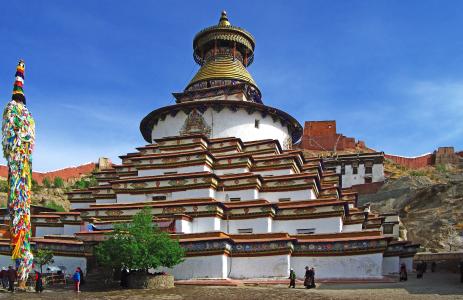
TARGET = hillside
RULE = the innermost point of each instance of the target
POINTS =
(429, 202)
(66, 174)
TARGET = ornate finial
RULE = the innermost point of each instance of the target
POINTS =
(224, 19)
(18, 92)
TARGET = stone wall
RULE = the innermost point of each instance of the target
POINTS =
(412, 162)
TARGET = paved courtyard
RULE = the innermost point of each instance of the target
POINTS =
(433, 286)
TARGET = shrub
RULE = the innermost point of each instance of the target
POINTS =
(4, 186)
(58, 182)
(46, 182)
(54, 205)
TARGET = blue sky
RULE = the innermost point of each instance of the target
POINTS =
(389, 72)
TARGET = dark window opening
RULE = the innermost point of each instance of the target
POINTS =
(256, 123)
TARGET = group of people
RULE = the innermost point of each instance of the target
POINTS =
(309, 278)
(8, 277)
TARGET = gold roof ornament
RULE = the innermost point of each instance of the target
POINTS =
(224, 19)
(223, 51)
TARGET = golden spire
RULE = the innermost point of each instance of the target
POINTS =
(224, 19)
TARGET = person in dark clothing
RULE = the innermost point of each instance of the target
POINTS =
(433, 267)
(124, 278)
(461, 271)
(419, 270)
(82, 279)
(38, 282)
(292, 279)
(403, 272)
(312, 274)
(11, 278)
(5, 278)
(307, 277)
(425, 267)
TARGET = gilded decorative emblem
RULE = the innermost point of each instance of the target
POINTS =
(194, 124)
(246, 210)
(177, 182)
(138, 185)
(173, 210)
(237, 181)
(170, 159)
(300, 211)
(158, 183)
(285, 183)
(114, 212)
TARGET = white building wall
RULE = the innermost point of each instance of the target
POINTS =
(378, 172)
(132, 198)
(226, 123)
(75, 205)
(249, 194)
(214, 266)
(206, 224)
(391, 265)
(70, 262)
(322, 225)
(5, 261)
(105, 201)
(190, 194)
(278, 172)
(334, 267)
(293, 195)
(260, 266)
(71, 229)
(179, 170)
(41, 231)
(183, 226)
(408, 261)
(258, 225)
(231, 171)
(351, 227)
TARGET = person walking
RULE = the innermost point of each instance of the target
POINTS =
(419, 270)
(433, 267)
(461, 271)
(312, 274)
(82, 279)
(11, 278)
(292, 279)
(76, 278)
(403, 272)
(38, 282)
(307, 277)
(5, 278)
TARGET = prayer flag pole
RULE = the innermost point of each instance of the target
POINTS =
(18, 130)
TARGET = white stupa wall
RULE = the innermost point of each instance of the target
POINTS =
(213, 266)
(322, 225)
(391, 265)
(227, 124)
(260, 266)
(179, 170)
(334, 267)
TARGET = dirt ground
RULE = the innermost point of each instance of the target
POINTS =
(433, 286)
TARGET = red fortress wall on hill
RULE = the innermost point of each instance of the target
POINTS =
(65, 174)
(322, 136)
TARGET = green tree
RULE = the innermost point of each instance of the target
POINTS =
(139, 245)
(35, 186)
(46, 182)
(58, 182)
(43, 257)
